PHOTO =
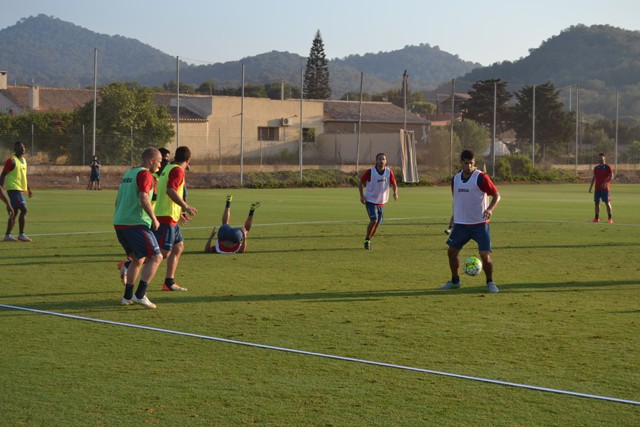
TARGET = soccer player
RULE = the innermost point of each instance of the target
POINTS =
(602, 175)
(94, 178)
(377, 181)
(169, 209)
(231, 240)
(14, 180)
(165, 153)
(134, 222)
(471, 214)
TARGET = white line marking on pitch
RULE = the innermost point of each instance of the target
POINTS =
(348, 221)
(327, 356)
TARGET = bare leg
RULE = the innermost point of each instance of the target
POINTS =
(22, 219)
(173, 259)
(11, 222)
(226, 215)
(149, 267)
(134, 269)
(372, 227)
(248, 223)
(487, 264)
(454, 261)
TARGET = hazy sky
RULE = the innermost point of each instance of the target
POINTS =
(208, 31)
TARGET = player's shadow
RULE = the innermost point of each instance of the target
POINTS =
(110, 304)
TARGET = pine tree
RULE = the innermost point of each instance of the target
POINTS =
(316, 76)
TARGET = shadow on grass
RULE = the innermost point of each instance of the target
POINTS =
(586, 245)
(60, 259)
(112, 303)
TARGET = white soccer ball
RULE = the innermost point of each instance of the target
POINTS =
(472, 266)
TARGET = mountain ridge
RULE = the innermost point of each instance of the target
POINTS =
(601, 59)
(46, 50)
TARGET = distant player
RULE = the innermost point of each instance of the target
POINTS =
(602, 175)
(377, 181)
(14, 180)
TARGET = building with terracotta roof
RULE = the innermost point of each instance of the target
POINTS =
(264, 130)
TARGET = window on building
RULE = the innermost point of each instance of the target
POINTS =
(268, 134)
(308, 134)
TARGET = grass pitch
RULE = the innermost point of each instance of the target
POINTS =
(567, 315)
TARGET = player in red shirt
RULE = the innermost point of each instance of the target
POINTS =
(377, 182)
(602, 175)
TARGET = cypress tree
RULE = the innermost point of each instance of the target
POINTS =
(316, 76)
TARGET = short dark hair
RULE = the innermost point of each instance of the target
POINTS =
(380, 154)
(164, 151)
(183, 154)
(601, 154)
(467, 155)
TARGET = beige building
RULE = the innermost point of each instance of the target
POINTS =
(222, 128)
(225, 130)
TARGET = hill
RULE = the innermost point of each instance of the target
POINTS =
(601, 59)
(48, 51)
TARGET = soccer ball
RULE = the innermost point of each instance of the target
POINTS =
(472, 266)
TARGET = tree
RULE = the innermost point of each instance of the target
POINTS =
(472, 136)
(438, 152)
(127, 122)
(633, 152)
(553, 126)
(479, 107)
(43, 131)
(316, 75)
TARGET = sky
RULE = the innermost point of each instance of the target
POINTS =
(210, 31)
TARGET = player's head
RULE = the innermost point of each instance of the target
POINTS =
(151, 158)
(183, 154)
(467, 160)
(165, 154)
(19, 148)
(381, 160)
(467, 155)
(602, 158)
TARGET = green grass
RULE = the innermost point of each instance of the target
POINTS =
(567, 316)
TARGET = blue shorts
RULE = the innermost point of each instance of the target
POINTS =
(375, 212)
(16, 198)
(601, 195)
(227, 233)
(462, 233)
(139, 241)
(167, 236)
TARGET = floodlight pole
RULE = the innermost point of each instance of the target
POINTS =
(95, 96)
(300, 140)
(453, 95)
(242, 130)
(177, 101)
(615, 170)
(533, 130)
(577, 122)
(493, 139)
(359, 126)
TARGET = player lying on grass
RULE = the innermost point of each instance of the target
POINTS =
(231, 240)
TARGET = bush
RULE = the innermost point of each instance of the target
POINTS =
(514, 165)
